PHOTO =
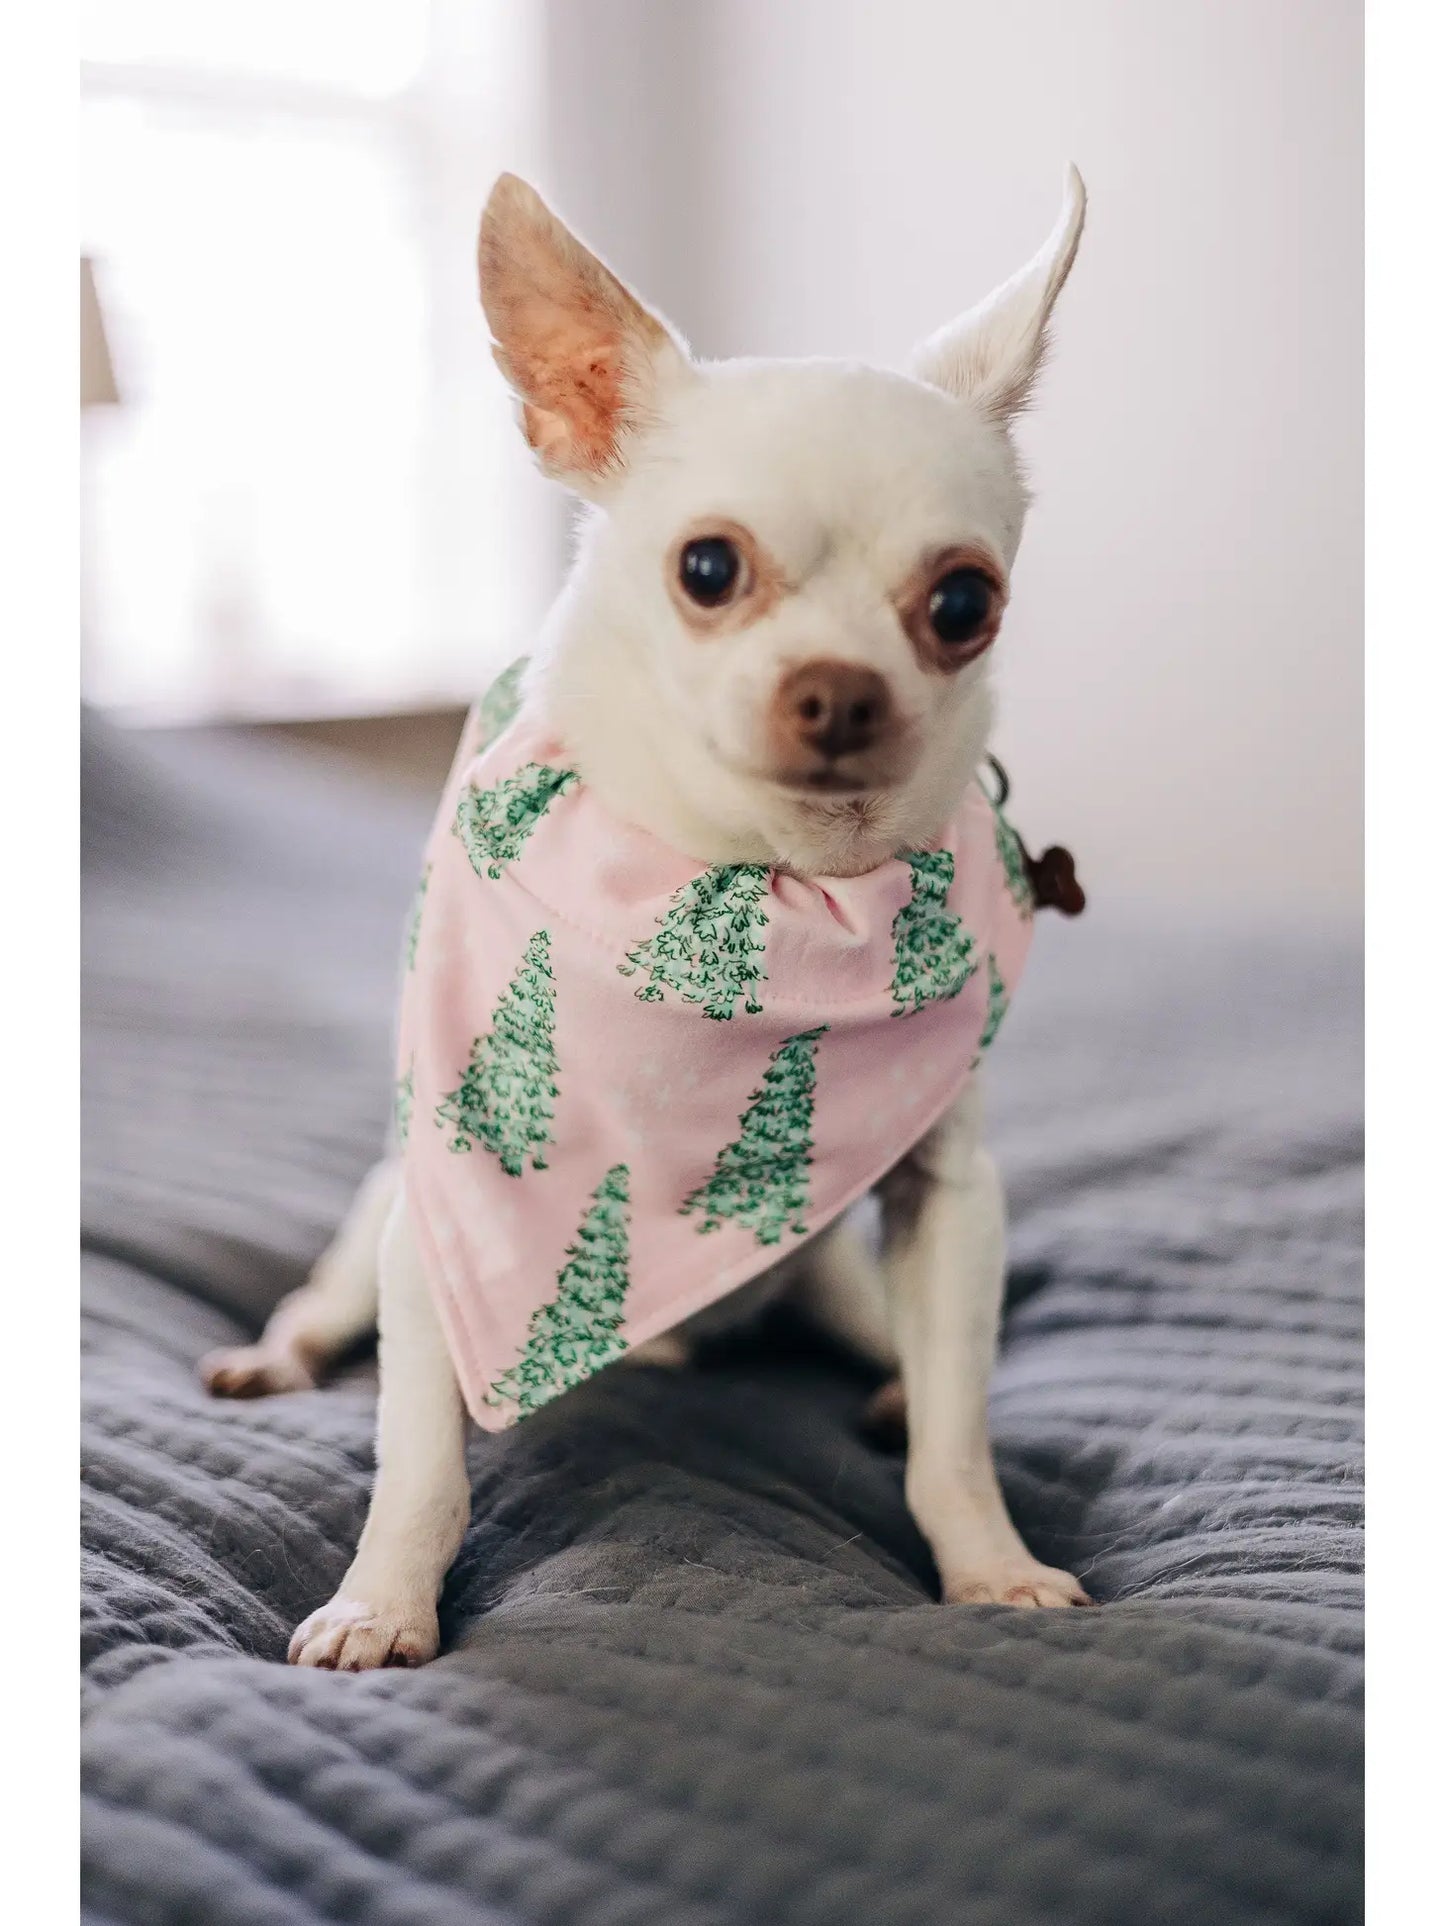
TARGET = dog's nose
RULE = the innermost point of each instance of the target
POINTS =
(832, 708)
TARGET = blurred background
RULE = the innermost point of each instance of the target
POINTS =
(305, 509)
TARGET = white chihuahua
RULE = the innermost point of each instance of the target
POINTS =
(773, 649)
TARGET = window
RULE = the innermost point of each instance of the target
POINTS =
(311, 498)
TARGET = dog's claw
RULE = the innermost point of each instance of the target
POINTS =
(253, 1371)
(348, 1635)
(1027, 1587)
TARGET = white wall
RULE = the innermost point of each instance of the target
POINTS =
(1181, 667)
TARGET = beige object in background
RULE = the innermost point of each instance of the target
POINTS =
(97, 372)
(97, 390)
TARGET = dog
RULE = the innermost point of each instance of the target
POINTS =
(773, 649)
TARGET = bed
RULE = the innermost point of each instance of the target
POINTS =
(694, 1669)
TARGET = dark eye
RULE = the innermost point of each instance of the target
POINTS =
(709, 569)
(960, 605)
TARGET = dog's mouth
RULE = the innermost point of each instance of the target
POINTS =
(877, 771)
(858, 776)
(826, 779)
(826, 782)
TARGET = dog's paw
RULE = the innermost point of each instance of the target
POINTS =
(1021, 1582)
(885, 1416)
(670, 1351)
(253, 1371)
(349, 1635)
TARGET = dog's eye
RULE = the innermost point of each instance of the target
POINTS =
(960, 605)
(709, 570)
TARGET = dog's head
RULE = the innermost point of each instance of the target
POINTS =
(776, 639)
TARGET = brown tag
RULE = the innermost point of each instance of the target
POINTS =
(1051, 876)
(1055, 885)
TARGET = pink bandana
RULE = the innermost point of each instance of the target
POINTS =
(627, 1085)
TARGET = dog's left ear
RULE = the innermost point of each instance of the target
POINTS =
(588, 362)
(992, 354)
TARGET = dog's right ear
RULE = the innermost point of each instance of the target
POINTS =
(589, 363)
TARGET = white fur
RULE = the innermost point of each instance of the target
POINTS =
(846, 476)
(386, 1610)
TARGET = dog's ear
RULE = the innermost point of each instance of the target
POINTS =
(588, 362)
(992, 354)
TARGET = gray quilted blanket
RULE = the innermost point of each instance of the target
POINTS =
(694, 1672)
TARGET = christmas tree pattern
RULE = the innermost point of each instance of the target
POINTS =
(708, 944)
(494, 823)
(500, 704)
(1011, 855)
(413, 928)
(504, 1101)
(997, 1006)
(933, 957)
(402, 1105)
(580, 1329)
(760, 1180)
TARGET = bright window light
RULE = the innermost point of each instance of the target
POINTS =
(311, 498)
(367, 47)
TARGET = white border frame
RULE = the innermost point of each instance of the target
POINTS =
(1404, 540)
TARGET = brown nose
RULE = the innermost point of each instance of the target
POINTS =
(832, 708)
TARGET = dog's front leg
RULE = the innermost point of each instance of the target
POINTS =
(944, 1226)
(386, 1610)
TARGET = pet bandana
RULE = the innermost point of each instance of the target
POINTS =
(628, 1084)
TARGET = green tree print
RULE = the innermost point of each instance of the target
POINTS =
(504, 1101)
(708, 944)
(402, 1105)
(498, 707)
(494, 823)
(413, 928)
(933, 957)
(580, 1329)
(1011, 855)
(997, 1007)
(760, 1180)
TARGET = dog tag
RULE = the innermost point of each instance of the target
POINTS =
(1053, 881)
(1051, 876)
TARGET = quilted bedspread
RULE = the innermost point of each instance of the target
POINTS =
(694, 1670)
